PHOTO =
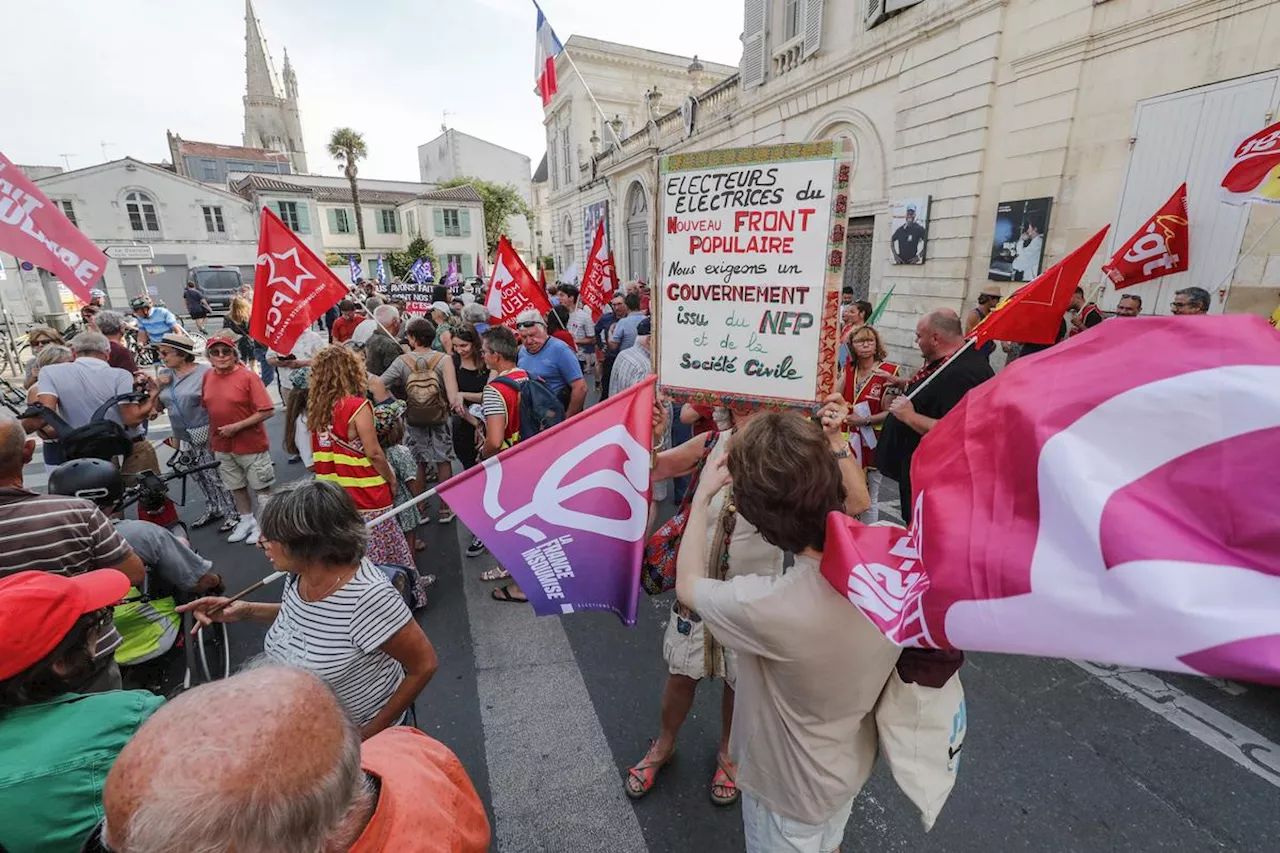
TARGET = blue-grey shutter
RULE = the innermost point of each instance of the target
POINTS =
(304, 218)
(438, 216)
(332, 215)
(377, 221)
(464, 221)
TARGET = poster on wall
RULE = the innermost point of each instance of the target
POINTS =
(752, 256)
(909, 230)
(592, 215)
(1017, 246)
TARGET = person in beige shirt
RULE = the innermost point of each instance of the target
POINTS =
(810, 667)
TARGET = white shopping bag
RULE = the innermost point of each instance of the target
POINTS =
(921, 734)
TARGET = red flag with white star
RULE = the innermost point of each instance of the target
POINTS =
(292, 287)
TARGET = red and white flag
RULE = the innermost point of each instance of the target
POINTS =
(512, 289)
(34, 229)
(292, 287)
(1127, 513)
(1033, 314)
(600, 281)
(1161, 247)
(1254, 173)
(547, 47)
(566, 511)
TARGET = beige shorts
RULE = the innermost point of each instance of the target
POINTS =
(683, 648)
(252, 469)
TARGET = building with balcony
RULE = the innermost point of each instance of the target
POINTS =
(1101, 107)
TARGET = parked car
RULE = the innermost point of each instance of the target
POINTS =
(220, 284)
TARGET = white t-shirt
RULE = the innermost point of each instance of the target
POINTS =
(338, 638)
(304, 349)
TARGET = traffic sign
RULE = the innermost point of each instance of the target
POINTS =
(130, 253)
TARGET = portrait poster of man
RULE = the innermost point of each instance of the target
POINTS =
(1017, 246)
(909, 230)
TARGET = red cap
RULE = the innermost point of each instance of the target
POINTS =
(37, 609)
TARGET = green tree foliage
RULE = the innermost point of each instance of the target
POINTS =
(419, 247)
(346, 146)
(500, 202)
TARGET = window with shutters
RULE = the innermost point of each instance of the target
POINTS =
(143, 219)
(410, 222)
(879, 11)
(68, 210)
(387, 222)
(456, 260)
(566, 158)
(754, 55)
(791, 19)
(340, 221)
(213, 222)
(452, 223)
(289, 214)
(552, 161)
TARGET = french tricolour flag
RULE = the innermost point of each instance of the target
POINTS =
(547, 48)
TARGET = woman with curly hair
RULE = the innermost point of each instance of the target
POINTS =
(345, 449)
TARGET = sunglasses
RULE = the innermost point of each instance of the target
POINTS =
(219, 351)
(527, 325)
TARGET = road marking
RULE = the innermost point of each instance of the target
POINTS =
(554, 782)
(1240, 743)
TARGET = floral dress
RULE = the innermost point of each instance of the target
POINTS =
(401, 460)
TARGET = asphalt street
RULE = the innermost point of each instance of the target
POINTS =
(547, 714)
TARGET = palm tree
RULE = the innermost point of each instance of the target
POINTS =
(346, 146)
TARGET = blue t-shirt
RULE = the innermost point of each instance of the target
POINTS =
(158, 324)
(555, 364)
(194, 297)
(624, 331)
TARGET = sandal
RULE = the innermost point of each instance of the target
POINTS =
(210, 515)
(229, 525)
(503, 593)
(724, 787)
(446, 516)
(495, 574)
(642, 777)
(419, 545)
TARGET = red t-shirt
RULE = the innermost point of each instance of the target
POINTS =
(232, 397)
(706, 421)
(343, 328)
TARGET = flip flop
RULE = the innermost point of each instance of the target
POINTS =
(503, 593)
(495, 574)
(642, 777)
(722, 781)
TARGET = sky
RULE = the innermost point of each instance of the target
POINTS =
(100, 81)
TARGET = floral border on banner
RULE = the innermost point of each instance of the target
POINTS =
(840, 150)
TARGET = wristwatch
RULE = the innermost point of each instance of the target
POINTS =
(843, 453)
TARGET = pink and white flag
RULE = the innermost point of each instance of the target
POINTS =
(34, 229)
(566, 512)
(1125, 515)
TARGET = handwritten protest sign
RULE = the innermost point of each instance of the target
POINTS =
(752, 255)
(416, 295)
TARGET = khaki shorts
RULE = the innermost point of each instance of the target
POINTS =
(683, 648)
(769, 832)
(252, 469)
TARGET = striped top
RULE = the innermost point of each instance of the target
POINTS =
(500, 401)
(338, 638)
(337, 456)
(56, 534)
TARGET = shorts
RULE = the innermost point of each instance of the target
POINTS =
(141, 458)
(240, 469)
(430, 445)
(684, 650)
(199, 314)
(769, 832)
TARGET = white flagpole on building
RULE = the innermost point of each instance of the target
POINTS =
(603, 118)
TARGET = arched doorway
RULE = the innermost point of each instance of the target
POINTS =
(637, 233)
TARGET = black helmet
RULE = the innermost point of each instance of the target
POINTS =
(95, 480)
(140, 301)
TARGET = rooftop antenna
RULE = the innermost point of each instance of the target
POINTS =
(104, 145)
(444, 120)
(66, 158)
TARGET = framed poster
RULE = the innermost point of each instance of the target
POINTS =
(592, 215)
(751, 260)
(909, 230)
(1017, 246)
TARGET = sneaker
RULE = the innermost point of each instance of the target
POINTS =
(242, 529)
(476, 548)
(294, 459)
(254, 533)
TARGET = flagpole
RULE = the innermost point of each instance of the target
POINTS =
(968, 344)
(592, 96)
(1256, 243)
(399, 508)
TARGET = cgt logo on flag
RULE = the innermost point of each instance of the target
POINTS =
(1159, 552)
(566, 512)
(1254, 173)
(1161, 247)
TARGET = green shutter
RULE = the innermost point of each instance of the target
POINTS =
(304, 218)
(466, 266)
(464, 220)
(438, 216)
(332, 215)
(377, 221)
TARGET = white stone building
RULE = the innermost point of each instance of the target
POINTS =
(185, 222)
(319, 209)
(541, 210)
(633, 86)
(454, 154)
(1102, 106)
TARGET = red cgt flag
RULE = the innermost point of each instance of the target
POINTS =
(512, 289)
(1033, 314)
(1125, 515)
(600, 281)
(1254, 173)
(1161, 247)
(292, 288)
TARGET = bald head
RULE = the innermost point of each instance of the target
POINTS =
(938, 333)
(13, 448)
(266, 759)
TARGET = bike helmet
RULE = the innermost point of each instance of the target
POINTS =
(139, 302)
(94, 480)
(97, 294)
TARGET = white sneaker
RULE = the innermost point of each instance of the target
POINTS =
(252, 538)
(243, 527)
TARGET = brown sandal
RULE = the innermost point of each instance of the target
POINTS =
(724, 786)
(642, 777)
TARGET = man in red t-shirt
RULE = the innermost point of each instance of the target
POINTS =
(345, 326)
(238, 404)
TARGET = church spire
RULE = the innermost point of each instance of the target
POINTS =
(271, 116)
(261, 73)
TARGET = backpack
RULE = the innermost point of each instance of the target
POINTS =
(98, 439)
(424, 392)
(539, 408)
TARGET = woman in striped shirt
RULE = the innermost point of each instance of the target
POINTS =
(339, 615)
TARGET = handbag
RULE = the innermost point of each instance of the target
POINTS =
(921, 732)
(658, 571)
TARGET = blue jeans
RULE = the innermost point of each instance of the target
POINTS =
(267, 372)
